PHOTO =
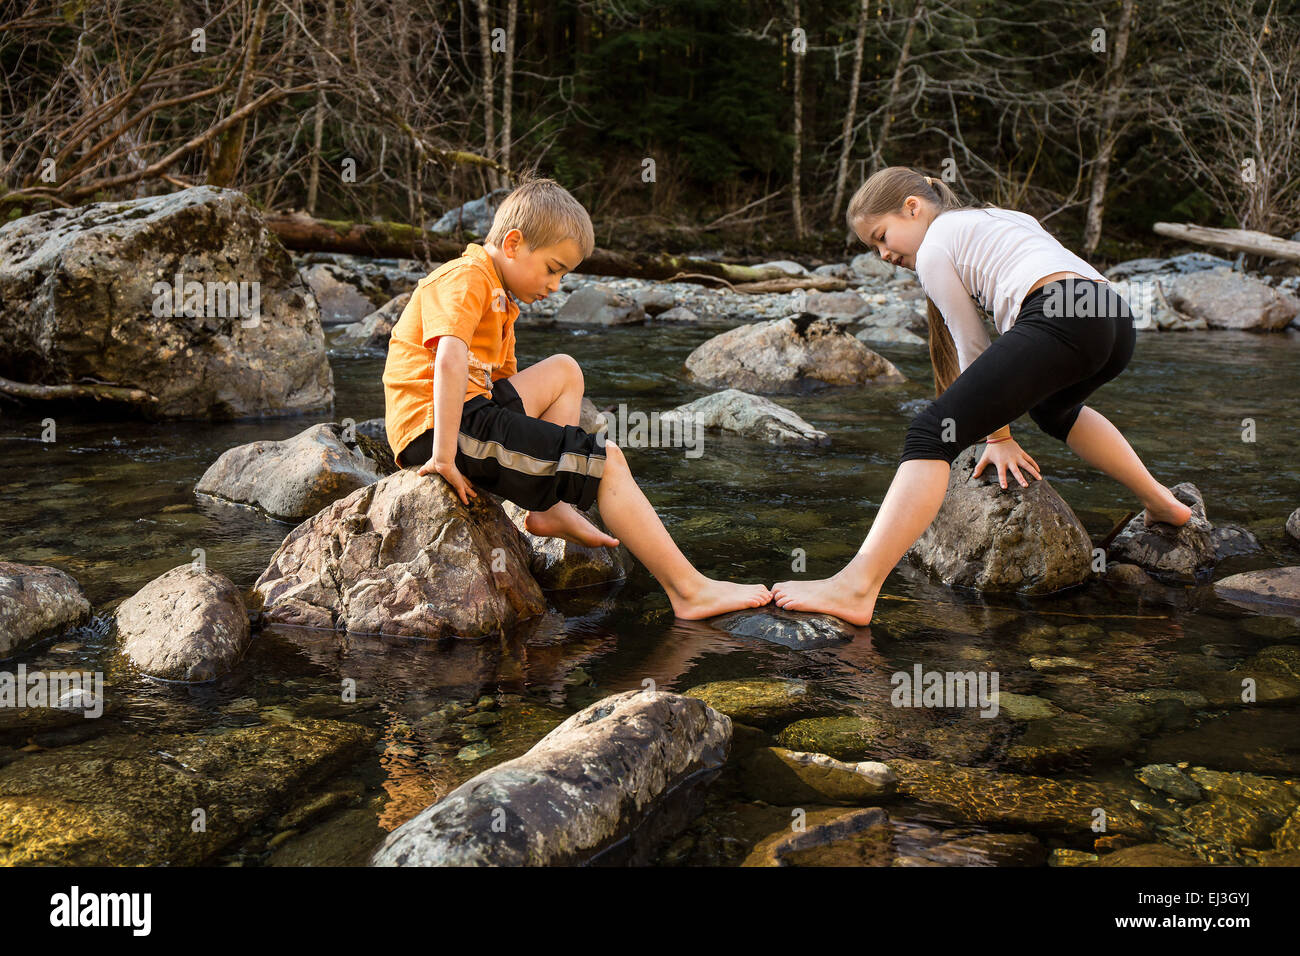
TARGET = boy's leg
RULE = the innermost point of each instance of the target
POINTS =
(552, 391)
(630, 515)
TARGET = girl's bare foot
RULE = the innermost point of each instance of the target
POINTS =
(718, 597)
(1170, 511)
(844, 599)
(562, 520)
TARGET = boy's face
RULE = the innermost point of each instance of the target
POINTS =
(897, 235)
(531, 274)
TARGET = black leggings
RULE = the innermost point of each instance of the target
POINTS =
(1070, 337)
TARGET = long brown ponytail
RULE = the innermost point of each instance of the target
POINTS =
(883, 193)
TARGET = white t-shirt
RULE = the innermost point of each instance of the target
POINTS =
(988, 257)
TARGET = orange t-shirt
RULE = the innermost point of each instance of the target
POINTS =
(464, 298)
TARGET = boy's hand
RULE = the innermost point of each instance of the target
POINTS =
(1004, 455)
(459, 483)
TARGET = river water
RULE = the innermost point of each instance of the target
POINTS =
(111, 502)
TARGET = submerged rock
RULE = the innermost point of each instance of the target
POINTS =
(757, 702)
(1182, 553)
(185, 625)
(788, 355)
(749, 415)
(820, 828)
(1273, 587)
(90, 293)
(403, 557)
(36, 603)
(845, 738)
(789, 778)
(560, 565)
(990, 797)
(1167, 777)
(1056, 742)
(291, 479)
(131, 799)
(1024, 540)
(1148, 855)
(586, 785)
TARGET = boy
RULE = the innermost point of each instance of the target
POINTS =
(455, 405)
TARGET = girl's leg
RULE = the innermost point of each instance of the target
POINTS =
(1094, 439)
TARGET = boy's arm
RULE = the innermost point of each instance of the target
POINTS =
(450, 372)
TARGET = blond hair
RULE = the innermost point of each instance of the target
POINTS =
(883, 193)
(546, 214)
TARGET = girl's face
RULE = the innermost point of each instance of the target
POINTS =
(897, 235)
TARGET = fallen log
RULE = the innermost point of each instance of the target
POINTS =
(1238, 240)
(302, 233)
(115, 393)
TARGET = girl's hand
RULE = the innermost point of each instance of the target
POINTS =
(1004, 455)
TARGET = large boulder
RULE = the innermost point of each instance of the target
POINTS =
(1025, 540)
(749, 415)
(592, 781)
(1230, 300)
(291, 479)
(1183, 553)
(789, 355)
(36, 603)
(90, 293)
(1293, 525)
(186, 625)
(403, 557)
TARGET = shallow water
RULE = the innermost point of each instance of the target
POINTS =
(111, 502)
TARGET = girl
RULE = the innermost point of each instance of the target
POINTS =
(1063, 332)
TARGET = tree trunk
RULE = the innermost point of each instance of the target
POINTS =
(850, 117)
(1238, 240)
(489, 111)
(231, 143)
(318, 121)
(895, 84)
(797, 174)
(1107, 135)
(508, 81)
(393, 239)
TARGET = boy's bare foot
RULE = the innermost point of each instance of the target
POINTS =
(844, 599)
(1171, 511)
(718, 597)
(565, 521)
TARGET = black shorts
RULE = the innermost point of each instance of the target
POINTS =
(1070, 337)
(532, 462)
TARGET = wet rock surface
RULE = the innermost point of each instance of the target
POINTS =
(37, 603)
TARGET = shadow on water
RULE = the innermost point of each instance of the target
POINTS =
(112, 503)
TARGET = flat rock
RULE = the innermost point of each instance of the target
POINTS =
(590, 782)
(36, 603)
(1273, 587)
(1024, 540)
(185, 625)
(799, 630)
(749, 415)
(403, 557)
(786, 356)
(291, 479)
